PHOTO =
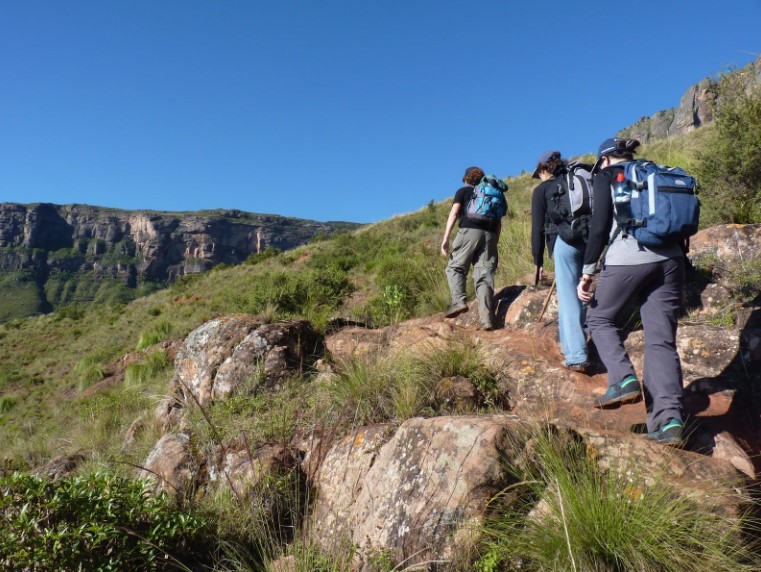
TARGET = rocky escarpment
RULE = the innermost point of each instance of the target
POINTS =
(694, 110)
(52, 255)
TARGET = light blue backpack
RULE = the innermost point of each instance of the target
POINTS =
(488, 202)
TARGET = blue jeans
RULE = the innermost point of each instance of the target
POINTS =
(568, 263)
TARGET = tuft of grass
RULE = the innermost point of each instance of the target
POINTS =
(363, 389)
(461, 358)
(158, 332)
(90, 372)
(566, 513)
(138, 373)
(7, 402)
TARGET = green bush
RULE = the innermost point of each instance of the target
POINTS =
(729, 165)
(266, 254)
(297, 293)
(94, 522)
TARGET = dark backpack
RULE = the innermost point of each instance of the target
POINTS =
(569, 209)
(487, 204)
(664, 206)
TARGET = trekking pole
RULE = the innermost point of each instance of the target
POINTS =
(546, 302)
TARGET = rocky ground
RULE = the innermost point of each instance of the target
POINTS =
(414, 490)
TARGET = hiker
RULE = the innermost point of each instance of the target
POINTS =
(475, 244)
(568, 255)
(653, 273)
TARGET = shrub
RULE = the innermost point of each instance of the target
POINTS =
(298, 293)
(729, 166)
(94, 522)
(266, 254)
(70, 312)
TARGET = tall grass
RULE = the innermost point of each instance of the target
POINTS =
(152, 364)
(565, 513)
(157, 332)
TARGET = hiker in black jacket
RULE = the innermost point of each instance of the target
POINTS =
(568, 259)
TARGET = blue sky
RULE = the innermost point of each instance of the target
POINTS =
(333, 110)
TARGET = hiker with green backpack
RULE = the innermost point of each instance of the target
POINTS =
(560, 211)
(479, 207)
(643, 213)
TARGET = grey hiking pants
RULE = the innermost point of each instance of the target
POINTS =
(659, 286)
(478, 248)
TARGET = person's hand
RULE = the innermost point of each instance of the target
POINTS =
(584, 290)
(445, 247)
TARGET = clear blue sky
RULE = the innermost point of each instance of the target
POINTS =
(331, 110)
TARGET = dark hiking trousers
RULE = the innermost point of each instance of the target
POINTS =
(659, 287)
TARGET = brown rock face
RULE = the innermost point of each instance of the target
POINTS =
(411, 494)
(171, 464)
(222, 355)
(694, 110)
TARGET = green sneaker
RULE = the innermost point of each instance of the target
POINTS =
(669, 434)
(625, 391)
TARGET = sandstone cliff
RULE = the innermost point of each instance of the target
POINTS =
(52, 255)
(694, 110)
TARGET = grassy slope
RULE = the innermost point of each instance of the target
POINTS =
(395, 268)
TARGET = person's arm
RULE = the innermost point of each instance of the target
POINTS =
(602, 218)
(538, 210)
(454, 214)
(599, 233)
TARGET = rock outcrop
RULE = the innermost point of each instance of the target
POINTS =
(694, 110)
(66, 253)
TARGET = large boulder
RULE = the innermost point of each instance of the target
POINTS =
(411, 494)
(243, 353)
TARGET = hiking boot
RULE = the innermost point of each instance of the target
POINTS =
(625, 391)
(669, 434)
(456, 309)
(577, 367)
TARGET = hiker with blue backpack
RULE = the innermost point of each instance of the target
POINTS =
(479, 207)
(643, 213)
(560, 211)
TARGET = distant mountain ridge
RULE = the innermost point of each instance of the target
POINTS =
(694, 110)
(53, 255)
